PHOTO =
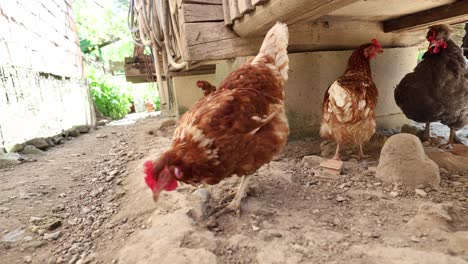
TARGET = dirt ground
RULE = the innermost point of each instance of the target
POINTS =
(85, 201)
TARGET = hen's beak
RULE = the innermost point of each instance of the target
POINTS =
(432, 44)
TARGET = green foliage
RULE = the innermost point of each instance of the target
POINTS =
(103, 33)
(112, 98)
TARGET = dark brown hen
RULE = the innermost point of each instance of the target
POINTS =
(437, 89)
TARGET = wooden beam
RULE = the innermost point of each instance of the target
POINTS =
(192, 13)
(214, 41)
(203, 2)
(287, 11)
(448, 14)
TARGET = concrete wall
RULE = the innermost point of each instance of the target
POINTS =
(41, 36)
(35, 105)
(42, 91)
(312, 73)
(186, 92)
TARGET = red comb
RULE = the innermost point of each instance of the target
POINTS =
(376, 43)
(149, 175)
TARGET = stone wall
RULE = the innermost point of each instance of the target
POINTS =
(42, 90)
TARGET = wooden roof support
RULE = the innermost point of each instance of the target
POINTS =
(448, 14)
(287, 11)
(214, 41)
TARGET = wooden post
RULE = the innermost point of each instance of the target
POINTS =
(465, 42)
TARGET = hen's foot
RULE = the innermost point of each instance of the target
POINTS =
(360, 156)
(235, 205)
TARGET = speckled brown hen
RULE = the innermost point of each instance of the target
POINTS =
(233, 131)
(348, 113)
(437, 89)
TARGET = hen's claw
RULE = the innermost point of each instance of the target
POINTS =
(232, 207)
(235, 205)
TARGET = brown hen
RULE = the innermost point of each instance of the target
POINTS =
(234, 131)
(348, 113)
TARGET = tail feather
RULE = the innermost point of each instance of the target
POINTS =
(275, 46)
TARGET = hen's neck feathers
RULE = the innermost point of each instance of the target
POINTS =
(358, 63)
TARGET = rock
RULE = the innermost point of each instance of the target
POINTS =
(410, 129)
(340, 198)
(392, 255)
(13, 236)
(39, 143)
(35, 219)
(50, 142)
(10, 159)
(27, 259)
(74, 259)
(447, 160)
(393, 194)
(460, 150)
(29, 149)
(458, 243)
(17, 148)
(65, 134)
(52, 236)
(403, 160)
(101, 136)
(73, 132)
(311, 161)
(167, 123)
(433, 219)
(82, 129)
(54, 225)
(420, 192)
(57, 139)
(202, 194)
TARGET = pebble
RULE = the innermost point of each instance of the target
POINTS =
(255, 228)
(203, 194)
(52, 236)
(340, 198)
(394, 194)
(35, 219)
(420, 192)
(85, 210)
(27, 259)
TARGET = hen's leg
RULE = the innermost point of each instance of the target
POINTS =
(361, 154)
(427, 132)
(337, 152)
(235, 205)
(452, 136)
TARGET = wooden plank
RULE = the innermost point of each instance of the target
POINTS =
(201, 13)
(287, 11)
(203, 2)
(214, 41)
(258, 2)
(245, 7)
(226, 12)
(447, 14)
(465, 42)
(234, 9)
